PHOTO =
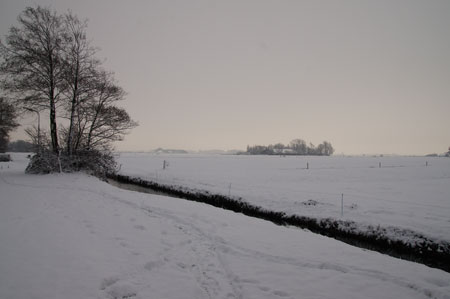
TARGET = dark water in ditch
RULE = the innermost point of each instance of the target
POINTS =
(132, 187)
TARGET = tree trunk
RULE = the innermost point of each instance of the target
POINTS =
(72, 114)
(53, 128)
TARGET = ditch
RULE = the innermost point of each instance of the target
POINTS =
(428, 252)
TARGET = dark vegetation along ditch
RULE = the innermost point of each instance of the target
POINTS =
(426, 251)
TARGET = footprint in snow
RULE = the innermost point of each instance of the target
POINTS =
(124, 244)
(280, 294)
(438, 282)
(152, 265)
(245, 280)
(121, 291)
(329, 266)
(116, 290)
(139, 227)
(250, 281)
(108, 282)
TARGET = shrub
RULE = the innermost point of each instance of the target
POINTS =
(5, 158)
(91, 161)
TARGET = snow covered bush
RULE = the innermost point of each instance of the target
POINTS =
(93, 162)
(5, 158)
(44, 162)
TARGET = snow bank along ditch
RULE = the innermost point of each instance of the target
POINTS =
(408, 245)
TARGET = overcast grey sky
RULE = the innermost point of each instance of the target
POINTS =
(368, 76)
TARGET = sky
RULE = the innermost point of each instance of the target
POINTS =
(371, 77)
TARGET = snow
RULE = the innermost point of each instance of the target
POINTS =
(74, 236)
(406, 192)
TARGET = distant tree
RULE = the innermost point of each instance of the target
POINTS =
(299, 146)
(260, 150)
(21, 146)
(311, 149)
(279, 146)
(296, 147)
(40, 138)
(328, 149)
(320, 150)
(8, 122)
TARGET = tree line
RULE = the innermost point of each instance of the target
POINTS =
(48, 64)
(295, 147)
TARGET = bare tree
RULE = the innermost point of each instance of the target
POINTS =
(7, 122)
(48, 63)
(91, 95)
(80, 69)
(39, 138)
(105, 121)
(111, 124)
(32, 66)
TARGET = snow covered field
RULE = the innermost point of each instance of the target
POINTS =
(406, 192)
(73, 236)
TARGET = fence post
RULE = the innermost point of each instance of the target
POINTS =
(307, 165)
